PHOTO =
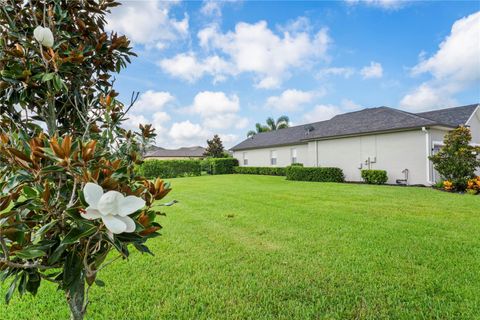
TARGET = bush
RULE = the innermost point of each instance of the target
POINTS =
(266, 171)
(170, 168)
(457, 160)
(321, 174)
(223, 165)
(297, 165)
(374, 176)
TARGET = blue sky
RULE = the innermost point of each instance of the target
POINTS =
(219, 67)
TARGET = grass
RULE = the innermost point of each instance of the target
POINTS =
(259, 247)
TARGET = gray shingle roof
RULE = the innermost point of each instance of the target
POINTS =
(359, 122)
(451, 116)
(181, 152)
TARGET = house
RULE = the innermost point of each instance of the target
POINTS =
(159, 153)
(375, 138)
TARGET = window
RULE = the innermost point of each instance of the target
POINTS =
(273, 157)
(245, 159)
(294, 155)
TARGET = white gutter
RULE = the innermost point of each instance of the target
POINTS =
(428, 151)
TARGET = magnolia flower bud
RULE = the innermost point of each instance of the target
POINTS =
(44, 36)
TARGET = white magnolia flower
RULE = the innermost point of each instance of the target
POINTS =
(112, 207)
(44, 36)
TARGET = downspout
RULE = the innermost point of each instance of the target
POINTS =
(316, 153)
(428, 151)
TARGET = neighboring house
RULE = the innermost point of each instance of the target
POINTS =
(159, 153)
(375, 138)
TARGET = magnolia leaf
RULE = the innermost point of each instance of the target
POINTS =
(38, 234)
(48, 76)
(11, 290)
(76, 234)
(30, 253)
(29, 192)
(56, 254)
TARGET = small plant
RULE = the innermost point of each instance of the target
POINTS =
(374, 176)
(473, 185)
(448, 185)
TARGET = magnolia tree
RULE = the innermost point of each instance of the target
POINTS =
(69, 195)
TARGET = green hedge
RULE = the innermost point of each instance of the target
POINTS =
(320, 174)
(267, 171)
(223, 165)
(170, 168)
(219, 165)
(375, 176)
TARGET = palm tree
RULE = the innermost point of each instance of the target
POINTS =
(271, 125)
(281, 123)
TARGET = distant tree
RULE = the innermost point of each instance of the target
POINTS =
(457, 160)
(271, 125)
(215, 148)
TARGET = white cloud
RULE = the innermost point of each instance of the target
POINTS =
(345, 72)
(160, 117)
(290, 100)
(454, 67)
(187, 67)
(426, 97)
(350, 105)
(321, 112)
(211, 8)
(225, 121)
(133, 121)
(208, 103)
(374, 70)
(251, 48)
(458, 57)
(187, 132)
(218, 110)
(152, 101)
(148, 22)
(384, 4)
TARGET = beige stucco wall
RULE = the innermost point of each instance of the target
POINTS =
(392, 152)
(474, 124)
(261, 157)
(172, 158)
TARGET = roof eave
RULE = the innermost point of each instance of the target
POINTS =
(439, 126)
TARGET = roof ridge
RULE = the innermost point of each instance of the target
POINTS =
(451, 108)
(416, 115)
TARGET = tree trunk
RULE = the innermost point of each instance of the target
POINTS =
(76, 302)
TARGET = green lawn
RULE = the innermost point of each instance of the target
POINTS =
(258, 247)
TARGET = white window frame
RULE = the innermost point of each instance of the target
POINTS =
(273, 157)
(294, 156)
(245, 159)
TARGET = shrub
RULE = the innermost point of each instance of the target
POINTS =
(457, 160)
(321, 174)
(297, 165)
(374, 176)
(206, 165)
(223, 165)
(267, 171)
(170, 168)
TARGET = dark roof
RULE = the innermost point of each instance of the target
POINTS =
(359, 122)
(181, 152)
(451, 116)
